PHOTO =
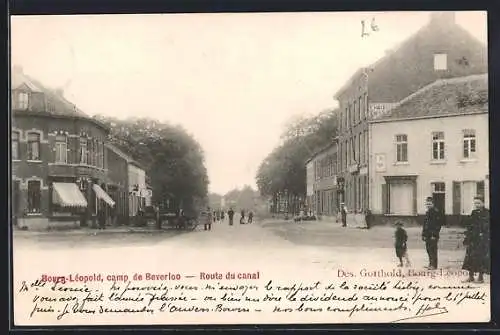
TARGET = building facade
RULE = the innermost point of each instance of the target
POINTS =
(118, 189)
(322, 181)
(434, 143)
(440, 50)
(139, 194)
(58, 159)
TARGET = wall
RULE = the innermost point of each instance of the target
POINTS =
(118, 177)
(46, 169)
(419, 132)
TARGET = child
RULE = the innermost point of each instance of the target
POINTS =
(401, 237)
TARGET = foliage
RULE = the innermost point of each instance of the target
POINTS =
(284, 168)
(173, 160)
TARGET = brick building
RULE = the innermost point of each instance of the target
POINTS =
(322, 182)
(441, 49)
(433, 143)
(58, 158)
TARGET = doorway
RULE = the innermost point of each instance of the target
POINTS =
(438, 195)
(16, 189)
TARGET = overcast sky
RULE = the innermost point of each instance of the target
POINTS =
(232, 80)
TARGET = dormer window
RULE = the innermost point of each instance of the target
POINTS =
(21, 100)
(440, 62)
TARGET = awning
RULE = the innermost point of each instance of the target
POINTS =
(68, 195)
(101, 194)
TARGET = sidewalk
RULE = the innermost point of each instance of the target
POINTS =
(85, 231)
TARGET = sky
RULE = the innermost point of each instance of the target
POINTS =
(232, 80)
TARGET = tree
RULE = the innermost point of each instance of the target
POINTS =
(173, 160)
(283, 171)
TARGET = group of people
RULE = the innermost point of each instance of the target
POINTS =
(476, 239)
(213, 216)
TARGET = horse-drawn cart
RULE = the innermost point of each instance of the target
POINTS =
(177, 220)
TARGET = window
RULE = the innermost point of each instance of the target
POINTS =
(366, 106)
(358, 154)
(89, 152)
(360, 109)
(440, 62)
(61, 149)
(33, 146)
(469, 143)
(21, 101)
(34, 196)
(355, 113)
(83, 151)
(401, 148)
(15, 145)
(341, 156)
(438, 145)
(362, 147)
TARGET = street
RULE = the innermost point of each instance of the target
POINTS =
(320, 243)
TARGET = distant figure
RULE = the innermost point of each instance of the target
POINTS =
(214, 216)
(242, 218)
(208, 219)
(401, 237)
(368, 218)
(218, 216)
(343, 214)
(230, 214)
(477, 242)
(250, 217)
(101, 217)
(222, 214)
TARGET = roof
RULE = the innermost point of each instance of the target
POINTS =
(408, 67)
(20, 80)
(323, 149)
(123, 155)
(445, 97)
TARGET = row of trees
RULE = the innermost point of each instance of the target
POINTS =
(245, 198)
(173, 159)
(282, 174)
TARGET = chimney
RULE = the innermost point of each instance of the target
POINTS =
(443, 18)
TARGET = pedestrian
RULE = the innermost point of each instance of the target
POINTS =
(250, 217)
(208, 219)
(477, 242)
(101, 217)
(242, 218)
(230, 215)
(218, 216)
(343, 214)
(222, 214)
(368, 218)
(400, 239)
(433, 221)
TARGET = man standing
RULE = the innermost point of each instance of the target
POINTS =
(343, 213)
(477, 241)
(230, 214)
(433, 221)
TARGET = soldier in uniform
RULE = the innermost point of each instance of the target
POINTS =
(477, 242)
(208, 219)
(433, 221)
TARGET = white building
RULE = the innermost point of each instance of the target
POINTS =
(139, 193)
(433, 143)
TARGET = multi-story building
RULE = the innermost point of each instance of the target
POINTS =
(127, 184)
(138, 189)
(58, 158)
(433, 143)
(441, 49)
(322, 181)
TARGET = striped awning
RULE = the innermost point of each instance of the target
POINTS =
(101, 194)
(68, 195)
